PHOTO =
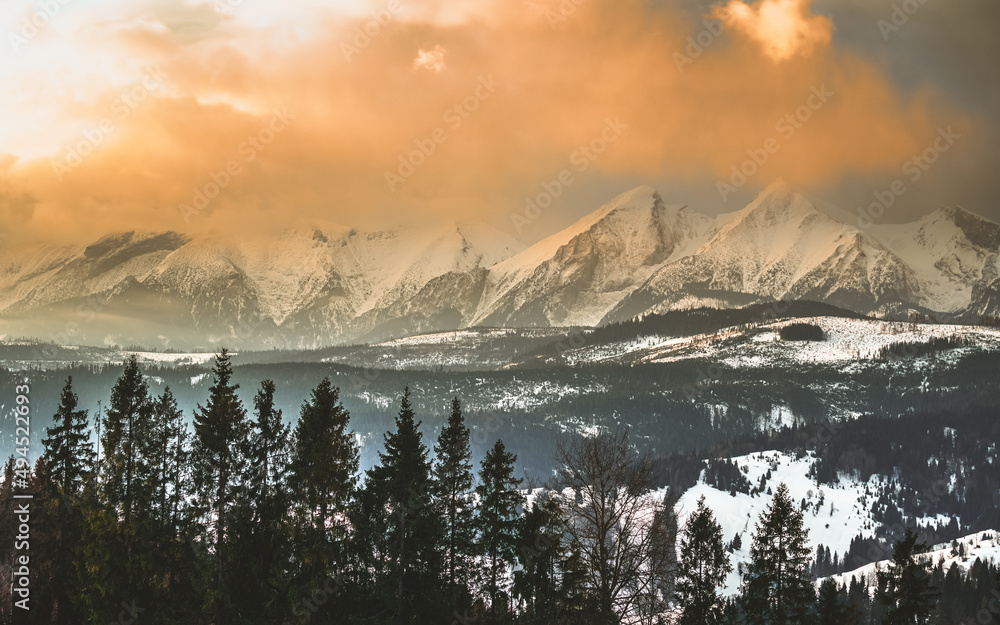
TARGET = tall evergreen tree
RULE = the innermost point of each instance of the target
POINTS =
(120, 556)
(325, 460)
(414, 529)
(270, 444)
(68, 451)
(171, 526)
(68, 459)
(324, 466)
(500, 504)
(125, 437)
(905, 591)
(858, 601)
(777, 589)
(221, 433)
(169, 456)
(50, 586)
(453, 486)
(703, 567)
(580, 604)
(260, 536)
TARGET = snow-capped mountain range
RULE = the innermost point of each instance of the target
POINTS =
(308, 287)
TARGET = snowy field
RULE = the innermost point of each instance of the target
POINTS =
(833, 515)
(847, 341)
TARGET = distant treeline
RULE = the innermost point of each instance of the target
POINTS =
(802, 332)
(903, 350)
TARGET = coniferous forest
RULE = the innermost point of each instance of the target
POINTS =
(244, 518)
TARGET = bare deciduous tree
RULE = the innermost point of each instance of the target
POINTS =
(626, 534)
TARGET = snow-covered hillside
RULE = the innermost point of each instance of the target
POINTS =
(962, 552)
(848, 342)
(833, 515)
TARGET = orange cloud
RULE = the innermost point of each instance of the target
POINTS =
(556, 82)
(783, 28)
(430, 59)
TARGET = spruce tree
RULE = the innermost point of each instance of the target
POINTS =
(260, 537)
(68, 450)
(414, 531)
(324, 466)
(68, 457)
(499, 516)
(50, 588)
(171, 526)
(703, 567)
(453, 486)
(325, 459)
(578, 602)
(270, 445)
(858, 602)
(905, 591)
(777, 589)
(116, 554)
(169, 456)
(221, 431)
(125, 438)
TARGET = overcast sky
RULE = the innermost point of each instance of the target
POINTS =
(127, 114)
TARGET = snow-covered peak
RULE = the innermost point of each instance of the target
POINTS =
(977, 230)
(627, 206)
(495, 245)
(777, 204)
(577, 275)
(779, 228)
(949, 249)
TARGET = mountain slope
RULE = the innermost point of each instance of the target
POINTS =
(779, 247)
(953, 251)
(575, 276)
(303, 287)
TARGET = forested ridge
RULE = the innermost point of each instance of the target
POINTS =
(242, 517)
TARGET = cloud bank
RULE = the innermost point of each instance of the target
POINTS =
(229, 114)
